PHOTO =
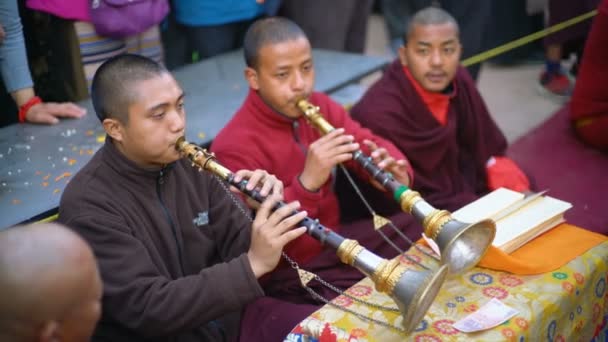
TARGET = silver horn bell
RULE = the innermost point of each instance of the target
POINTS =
(462, 244)
(412, 290)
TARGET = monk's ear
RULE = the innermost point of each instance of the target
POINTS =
(114, 128)
(402, 52)
(50, 332)
(252, 78)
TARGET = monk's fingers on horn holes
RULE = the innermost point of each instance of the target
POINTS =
(270, 184)
(370, 145)
(379, 153)
(341, 158)
(242, 174)
(280, 214)
(256, 178)
(264, 211)
(386, 163)
(289, 222)
(346, 148)
(292, 235)
(342, 140)
(277, 187)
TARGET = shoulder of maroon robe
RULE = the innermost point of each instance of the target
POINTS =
(393, 109)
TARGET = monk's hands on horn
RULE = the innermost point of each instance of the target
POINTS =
(382, 159)
(323, 155)
(271, 231)
(266, 184)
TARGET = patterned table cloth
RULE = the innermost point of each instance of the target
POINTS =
(568, 304)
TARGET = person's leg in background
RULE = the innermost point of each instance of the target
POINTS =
(327, 23)
(396, 16)
(176, 47)
(357, 28)
(214, 40)
(553, 79)
(474, 17)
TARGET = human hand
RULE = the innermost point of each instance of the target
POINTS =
(49, 112)
(270, 232)
(384, 161)
(267, 184)
(325, 153)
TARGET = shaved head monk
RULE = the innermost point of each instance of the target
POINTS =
(429, 107)
(50, 286)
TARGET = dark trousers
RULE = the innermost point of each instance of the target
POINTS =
(213, 40)
(181, 41)
(335, 25)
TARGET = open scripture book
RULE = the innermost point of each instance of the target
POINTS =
(518, 219)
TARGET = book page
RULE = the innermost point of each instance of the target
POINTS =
(490, 205)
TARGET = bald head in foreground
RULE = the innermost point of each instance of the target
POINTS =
(50, 285)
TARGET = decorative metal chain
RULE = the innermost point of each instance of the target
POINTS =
(353, 312)
(358, 300)
(390, 223)
(296, 267)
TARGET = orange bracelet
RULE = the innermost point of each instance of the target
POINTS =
(26, 107)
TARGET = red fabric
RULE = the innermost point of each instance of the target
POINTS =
(437, 103)
(589, 106)
(503, 172)
(258, 137)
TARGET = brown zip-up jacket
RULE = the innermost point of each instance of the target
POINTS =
(171, 246)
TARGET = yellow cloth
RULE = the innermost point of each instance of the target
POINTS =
(545, 253)
(567, 304)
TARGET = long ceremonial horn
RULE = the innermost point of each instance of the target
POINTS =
(462, 244)
(412, 290)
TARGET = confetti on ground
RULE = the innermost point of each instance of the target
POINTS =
(38, 173)
(56, 191)
(81, 152)
(201, 135)
(63, 175)
(47, 176)
(71, 162)
(16, 201)
(68, 133)
(101, 138)
(45, 184)
(89, 133)
(90, 152)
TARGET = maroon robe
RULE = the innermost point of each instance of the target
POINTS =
(449, 161)
(589, 105)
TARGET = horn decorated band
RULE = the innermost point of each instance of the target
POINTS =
(413, 291)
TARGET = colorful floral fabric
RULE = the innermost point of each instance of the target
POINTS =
(568, 304)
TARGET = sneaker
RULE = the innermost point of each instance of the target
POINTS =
(556, 84)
